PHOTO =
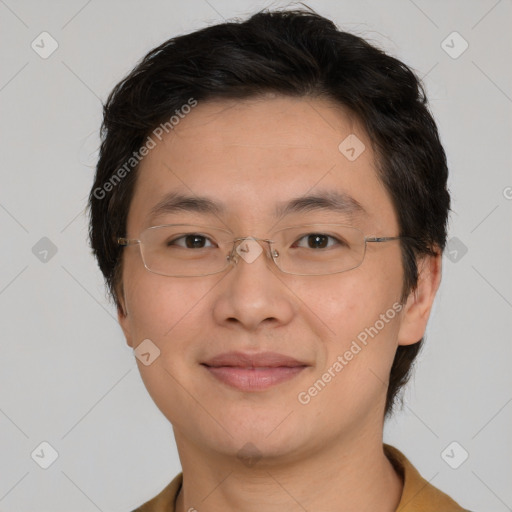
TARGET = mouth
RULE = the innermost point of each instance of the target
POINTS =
(253, 372)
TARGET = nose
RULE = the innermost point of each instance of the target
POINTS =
(253, 294)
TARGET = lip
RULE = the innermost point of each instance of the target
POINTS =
(253, 372)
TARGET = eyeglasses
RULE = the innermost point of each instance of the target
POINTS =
(183, 250)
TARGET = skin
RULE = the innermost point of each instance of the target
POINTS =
(326, 455)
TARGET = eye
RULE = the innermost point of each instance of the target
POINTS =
(317, 241)
(191, 241)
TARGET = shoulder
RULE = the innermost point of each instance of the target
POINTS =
(418, 495)
(164, 501)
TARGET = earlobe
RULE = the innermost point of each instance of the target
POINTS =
(121, 310)
(123, 319)
(419, 304)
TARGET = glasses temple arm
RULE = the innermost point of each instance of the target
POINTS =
(387, 238)
(125, 241)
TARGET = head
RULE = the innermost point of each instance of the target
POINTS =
(251, 114)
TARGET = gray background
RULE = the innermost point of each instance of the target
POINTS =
(67, 376)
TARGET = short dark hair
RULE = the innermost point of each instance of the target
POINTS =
(295, 53)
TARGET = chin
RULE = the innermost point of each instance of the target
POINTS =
(258, 450)
(246, 437)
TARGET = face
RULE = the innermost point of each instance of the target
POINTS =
(250, 157)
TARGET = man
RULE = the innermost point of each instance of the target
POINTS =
(269, 212)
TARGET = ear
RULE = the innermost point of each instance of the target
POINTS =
(417, 309)
(123, 317)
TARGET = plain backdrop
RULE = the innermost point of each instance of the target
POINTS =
(67, 377)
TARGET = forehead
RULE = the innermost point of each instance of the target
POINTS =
(253, 155)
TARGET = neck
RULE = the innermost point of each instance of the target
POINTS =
(349, 477)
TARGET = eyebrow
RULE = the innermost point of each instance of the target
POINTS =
(329, 200)
(175, 202)
(332, 201)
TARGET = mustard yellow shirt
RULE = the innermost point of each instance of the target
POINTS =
(417, 494)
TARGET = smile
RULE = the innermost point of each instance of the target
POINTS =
(253, 372)
(254, 379)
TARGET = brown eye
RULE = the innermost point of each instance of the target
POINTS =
(195, 241)
(191, 241)
(316, 241)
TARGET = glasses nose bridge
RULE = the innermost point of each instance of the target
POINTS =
(249, 253)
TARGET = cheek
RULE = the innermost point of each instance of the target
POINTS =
(159, 305)
(347, 303)
(361, 315)
(170, 312)
(167, 311)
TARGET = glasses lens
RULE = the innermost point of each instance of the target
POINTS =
(185, 250)
(319, 249)
(188, 250)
